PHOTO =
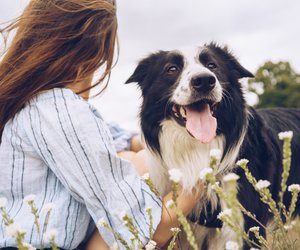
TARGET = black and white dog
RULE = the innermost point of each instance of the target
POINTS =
(193, 102)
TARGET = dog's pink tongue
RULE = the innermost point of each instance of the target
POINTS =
(201, 124)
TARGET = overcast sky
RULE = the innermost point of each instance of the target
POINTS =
(255, 30)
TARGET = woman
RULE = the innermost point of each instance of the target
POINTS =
(54, 144)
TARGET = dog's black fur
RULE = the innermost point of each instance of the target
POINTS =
(259, 128)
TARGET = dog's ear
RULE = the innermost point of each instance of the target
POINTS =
(140, 71)
(239, 70)
(144, 67)
(139, 74)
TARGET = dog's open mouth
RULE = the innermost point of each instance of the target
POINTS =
(198, 119)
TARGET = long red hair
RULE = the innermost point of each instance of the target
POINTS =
(56, 43)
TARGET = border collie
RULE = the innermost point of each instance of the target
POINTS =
(193, 102)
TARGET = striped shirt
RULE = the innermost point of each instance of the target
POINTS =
(59, 148)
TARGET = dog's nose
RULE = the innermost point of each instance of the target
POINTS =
(203, 82)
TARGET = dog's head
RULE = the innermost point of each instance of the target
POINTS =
(197, 88)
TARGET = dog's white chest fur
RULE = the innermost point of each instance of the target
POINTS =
(179, 150)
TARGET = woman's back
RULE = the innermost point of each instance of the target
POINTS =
(24, 171)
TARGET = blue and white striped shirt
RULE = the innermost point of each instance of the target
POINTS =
(59, 148)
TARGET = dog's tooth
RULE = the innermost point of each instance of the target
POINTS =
(213, 109)
(182, 112)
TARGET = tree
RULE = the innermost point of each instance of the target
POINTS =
(277, 85)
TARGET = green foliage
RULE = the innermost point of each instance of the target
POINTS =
(277, 85)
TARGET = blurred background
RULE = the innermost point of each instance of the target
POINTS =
(264, 36)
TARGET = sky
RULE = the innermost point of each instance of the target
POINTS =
(255, 30)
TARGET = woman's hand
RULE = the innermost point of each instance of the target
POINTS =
(136, 143)
(136, 154)
(186, 201)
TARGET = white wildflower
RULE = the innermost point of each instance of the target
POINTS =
(175, 175)
(225, 213)
(262, 184)
(285, 135)
(215, 153)
(29, 198)
(294, 188)
(28, 246)
(242, 162)
(101, 223)
(254, 229)
(14, 229)
(204, 172)
(148, 209)
(123, 215)
(175, 230)
(169, 203)
(231, 177)
(215, 185)
(51, 235)
(231, 245)
(115, 246)
(49, 207)
(151, 245)
(3, 202)
(288, 227)
(146, 176)
(253, 248)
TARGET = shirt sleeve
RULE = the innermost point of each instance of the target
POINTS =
(121, 137)
(77, 146)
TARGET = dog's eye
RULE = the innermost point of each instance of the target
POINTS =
(172, 69)
(211, 65)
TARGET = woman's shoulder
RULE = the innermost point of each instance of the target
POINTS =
(59, 100)
(59, 113)
(59, 105)
(55, 95)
